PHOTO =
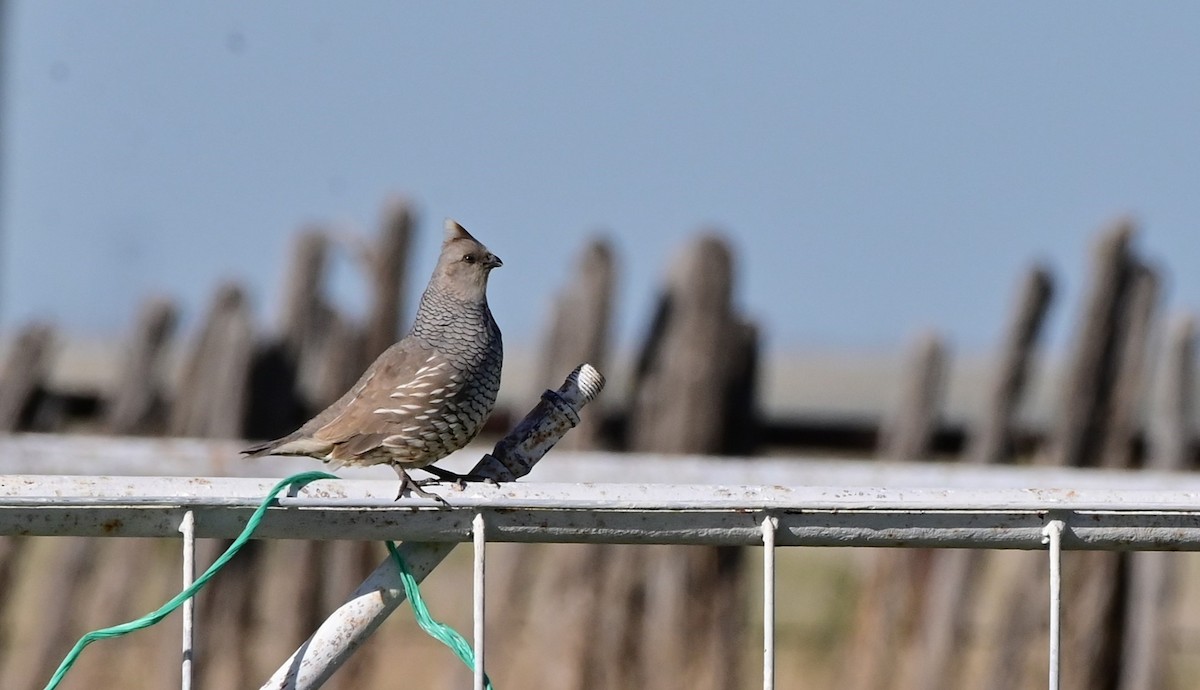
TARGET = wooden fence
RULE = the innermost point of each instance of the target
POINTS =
(616, 616)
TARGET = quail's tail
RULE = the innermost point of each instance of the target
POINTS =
(292, 444)
(261, 449)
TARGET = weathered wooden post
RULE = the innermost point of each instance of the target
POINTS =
(908, 433)
(934, 663)
(137, 405)
(1088, 646)
(991, 443)
(211, 402)
(894, 589)
(303, 300)
(681, 398)
(283, 392)
(386, 267)
(1123, 414)
(1152, 604)
(211, 399)
(1092, 646)
(60, 600)
(11, 549)
(579, 329)
(1171, 432)
(24, 374)
(564, 620)
(1089, 380)
(644, 616)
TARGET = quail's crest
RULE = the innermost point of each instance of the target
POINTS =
(464, 264)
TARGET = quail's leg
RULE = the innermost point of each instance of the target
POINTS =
(408, 484)
(460, 480)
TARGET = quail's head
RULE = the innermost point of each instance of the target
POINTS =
(464, 264)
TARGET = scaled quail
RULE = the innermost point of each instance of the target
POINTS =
(425, 396)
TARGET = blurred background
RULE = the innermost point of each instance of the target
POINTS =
(878, 168)
(951, 230)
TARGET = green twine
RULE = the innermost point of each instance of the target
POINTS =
(438, 631)
(441, 632)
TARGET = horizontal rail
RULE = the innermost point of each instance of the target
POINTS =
(607, 513)
(57, 490)
(48, 454)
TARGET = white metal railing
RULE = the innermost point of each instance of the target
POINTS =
(479, 534)
(187, 527)
(769, 526)
(1054, 533)
(1101, 517)
(1003, 518)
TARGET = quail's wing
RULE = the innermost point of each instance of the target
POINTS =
(400, 402)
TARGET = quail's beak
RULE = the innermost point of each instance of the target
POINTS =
(492, 261)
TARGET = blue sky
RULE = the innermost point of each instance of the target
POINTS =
(880, 167)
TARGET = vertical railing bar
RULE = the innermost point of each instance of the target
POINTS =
(480, 546)
(1053, 536)
(768, 533)
(188, 528)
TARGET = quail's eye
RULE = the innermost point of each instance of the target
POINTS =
(469, 258)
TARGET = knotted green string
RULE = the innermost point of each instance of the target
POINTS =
(438, 631)
(442, 633)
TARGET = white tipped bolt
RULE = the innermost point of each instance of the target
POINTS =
(382, 592)
(586, 381)
(557, 413)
